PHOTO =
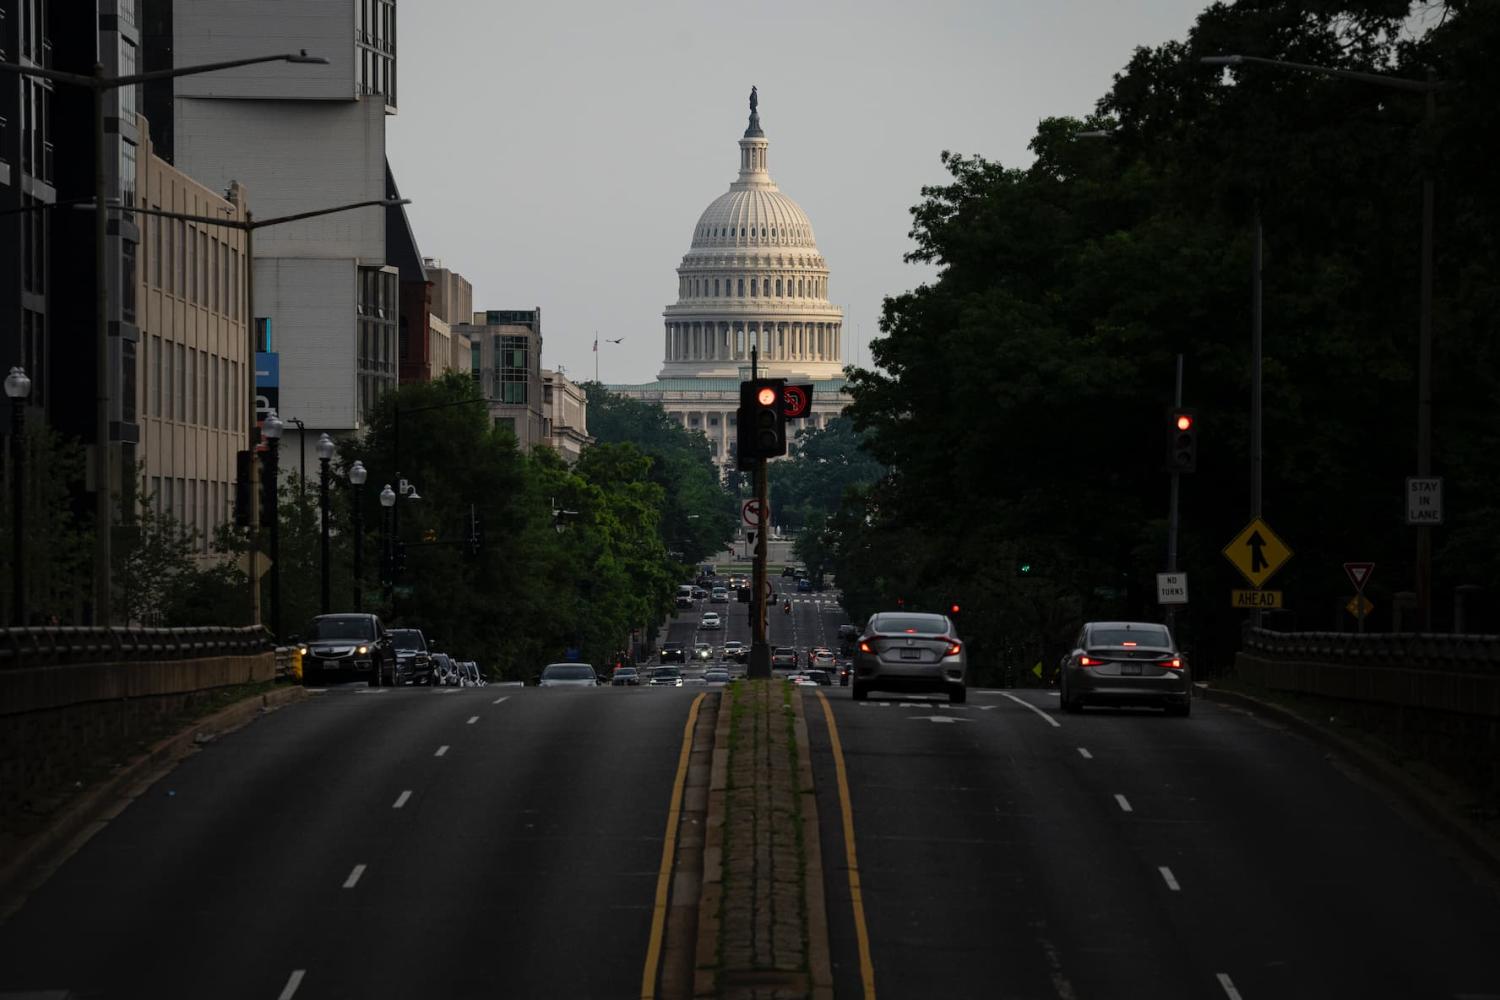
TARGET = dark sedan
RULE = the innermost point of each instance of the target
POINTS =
(348, 646)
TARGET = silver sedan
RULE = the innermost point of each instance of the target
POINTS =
(910, 652)
(1124, 663)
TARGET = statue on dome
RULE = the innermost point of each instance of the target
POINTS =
(754, 101)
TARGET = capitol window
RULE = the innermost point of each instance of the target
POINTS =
(778, 288)
(742, 288)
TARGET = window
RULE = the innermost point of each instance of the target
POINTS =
(154, 223)
(181, 395)
(512, 368)
(174, 250)
(190, 408)
(778, 288)
(192, 264)
(128, 279)
(204, 413)
(213, 270)
(753, 283)
(716, 287)
(742, 287)
(214, 410)
(155, 361)
(203, 266)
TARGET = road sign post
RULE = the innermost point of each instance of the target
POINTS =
(1359, 575)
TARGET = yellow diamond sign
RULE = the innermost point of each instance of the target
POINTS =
(1257, 553)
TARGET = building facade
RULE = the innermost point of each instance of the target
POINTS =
(567, 406)
(194, 358)
(752, 279)
(506, 364)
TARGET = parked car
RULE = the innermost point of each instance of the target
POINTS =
(784, 658)
(558, 675)
(345, 646)
(665, 677)
(1126, 663)
(476, 674)
(444, 670)
(468, 674)
(673, 652)
(910, 651)
(413, 656)
(625, 677)
(710, 620)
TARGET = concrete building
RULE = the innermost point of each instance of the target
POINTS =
(505, 360)
(567, 406)
(752, 278)
(327, 299)
(192, 379)
(450, 301)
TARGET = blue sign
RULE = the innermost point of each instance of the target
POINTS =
(267, 370)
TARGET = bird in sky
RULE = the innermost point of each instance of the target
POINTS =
(615, 341)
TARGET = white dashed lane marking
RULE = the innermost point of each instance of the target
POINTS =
(401, 799)
(1124, 804)
(500, 699)
(472, 719)
(1167, 877)
(353, 879)
(293, 981)
(441, 750)
(1228, 984)
(1084, 753)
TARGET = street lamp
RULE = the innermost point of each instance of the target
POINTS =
(357, 477)
(271, 431)
(18, 387)
(1429, 89)
(388, 502)
(98, 84)
(325, 454)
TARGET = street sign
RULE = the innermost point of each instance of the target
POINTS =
(1424, 499)
(796, 401)
(750, 513)
(1255, 600)
(1171, 588)
(1359, 574)
(1359, 606)
(1257, 553)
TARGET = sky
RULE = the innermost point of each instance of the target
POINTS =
(558, 155)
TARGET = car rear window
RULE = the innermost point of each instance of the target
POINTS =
(920, 624)
(568, 672)
(1151, 636)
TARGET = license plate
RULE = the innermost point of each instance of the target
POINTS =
(911, 654)
(1130, 669)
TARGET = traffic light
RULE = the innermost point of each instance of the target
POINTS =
(1182, 441)
(1024, 568)
(761, 421)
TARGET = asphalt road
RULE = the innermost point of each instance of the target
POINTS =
(408, 843)
(1126, 854)
(813, 621)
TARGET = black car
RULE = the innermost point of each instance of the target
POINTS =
(673, 652)
(413, 656)
(345, 646)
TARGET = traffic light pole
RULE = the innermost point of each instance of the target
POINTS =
(1172, 510)
(760, 650)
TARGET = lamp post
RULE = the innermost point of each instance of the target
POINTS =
(18, 387)
(1429, 89)
(271, 431)
(325, 453)
(388, 503)
(357, 477)
(99, 85)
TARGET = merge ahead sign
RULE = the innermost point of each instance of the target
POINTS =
(1257, 553)
(1255, 600)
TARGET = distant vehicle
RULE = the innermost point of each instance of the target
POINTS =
(445, 671)
(790, 571)
(736, 650)
(413, 657)
(710, 620)
(719, 595)
(665, 677)
(559, 675)
(699, 593)
(820, 658)
(672, 652)
(784, 658)
(716, 676)
(802, 680)
(703, 651)
(804, 585)
(1124, 663)
(910, 651)
(348, 645)
(476, 676)
(625, 677)
(819, 677)
(685, 600)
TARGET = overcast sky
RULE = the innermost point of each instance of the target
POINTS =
(559, 154)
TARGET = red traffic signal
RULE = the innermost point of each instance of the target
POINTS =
(1184, 421)
(954, 609)
(1182, 441)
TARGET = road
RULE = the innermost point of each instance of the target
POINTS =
(407, 843)
(1006, 850)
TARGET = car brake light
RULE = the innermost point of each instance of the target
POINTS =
(954, 648)
(864, 647)
(1089, 661)
(1174, 663)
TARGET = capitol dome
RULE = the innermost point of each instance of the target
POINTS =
(753, 278)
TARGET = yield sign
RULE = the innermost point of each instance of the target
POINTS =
(1359, 574)
(1257, 553)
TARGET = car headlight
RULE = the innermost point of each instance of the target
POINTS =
(301, 650)
(362, 650)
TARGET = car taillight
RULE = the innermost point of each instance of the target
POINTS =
(1175, 663)
(954, 648)
(864, 647)
(1090, 661)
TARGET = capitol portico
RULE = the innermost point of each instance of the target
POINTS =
(752, 277)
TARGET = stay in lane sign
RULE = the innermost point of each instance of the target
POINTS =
(1257, 553)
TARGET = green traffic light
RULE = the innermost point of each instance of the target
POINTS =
(1025, 569)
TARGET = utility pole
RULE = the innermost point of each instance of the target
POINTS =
(1172, 515)
(760, 651)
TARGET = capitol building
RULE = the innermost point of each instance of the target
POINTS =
(752, 278)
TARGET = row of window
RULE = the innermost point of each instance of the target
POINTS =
(198, 505)
(781, 288)
(729, 232)
(190, 386)
(193, 264)
(512, 368)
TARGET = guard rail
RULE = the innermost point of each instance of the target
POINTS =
(67, 645)
(1412, 650)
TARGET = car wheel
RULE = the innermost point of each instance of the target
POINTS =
(860, 692)
(958, 696)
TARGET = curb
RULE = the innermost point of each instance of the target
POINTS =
(819, 962)
(1430, 808)
(39, 855)
(711, 891)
